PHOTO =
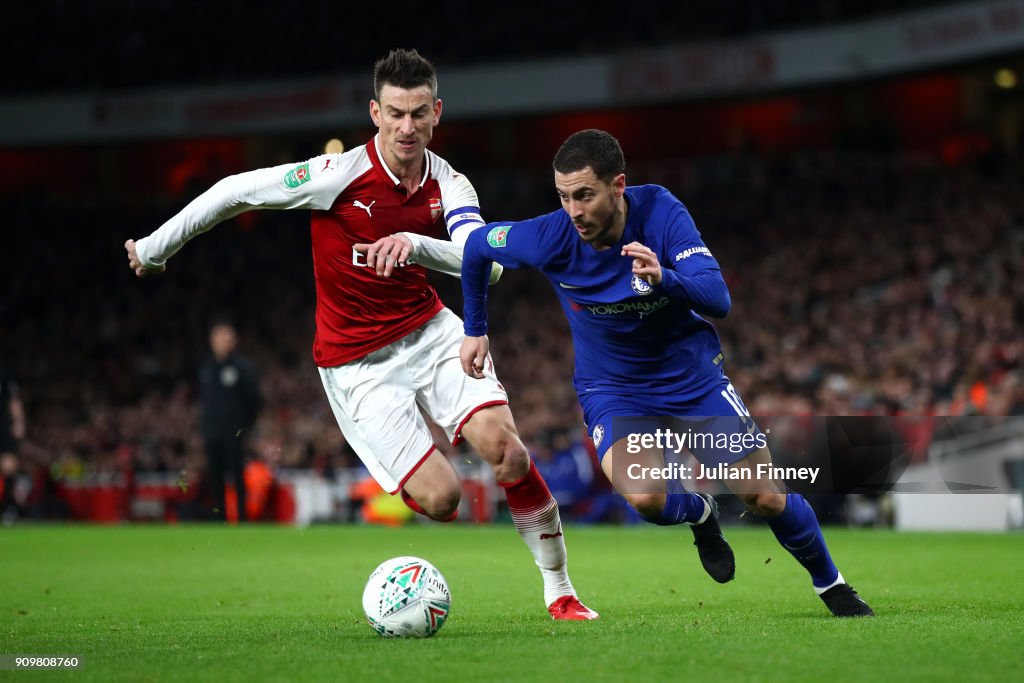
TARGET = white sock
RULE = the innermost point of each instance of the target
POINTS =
(839, 580)
(703, 517)
(541, 530)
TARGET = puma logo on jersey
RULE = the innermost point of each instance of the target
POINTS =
(327, 165)
(558, 533)
(364, 207)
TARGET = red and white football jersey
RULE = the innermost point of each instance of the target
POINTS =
(355, 198)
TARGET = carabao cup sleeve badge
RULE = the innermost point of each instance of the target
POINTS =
(498, 236)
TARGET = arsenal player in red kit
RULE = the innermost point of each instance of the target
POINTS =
(384, 342)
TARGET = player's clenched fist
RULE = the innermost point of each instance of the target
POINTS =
(473, 355)
(386, 253)
(141, 270)
(645, 262)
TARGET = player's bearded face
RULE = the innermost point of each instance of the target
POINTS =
(594, 205)
(406, 119)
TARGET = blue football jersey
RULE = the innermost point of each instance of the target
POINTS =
(627, 334)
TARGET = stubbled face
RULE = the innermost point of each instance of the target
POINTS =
(596, 207)
(406, 119)
(223, 340)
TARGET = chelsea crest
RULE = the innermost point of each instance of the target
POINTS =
(641, 286)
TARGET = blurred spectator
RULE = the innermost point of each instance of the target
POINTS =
(230, 394)
(12, 430)
(566, 467)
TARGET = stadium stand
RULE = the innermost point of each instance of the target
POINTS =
(124, 44)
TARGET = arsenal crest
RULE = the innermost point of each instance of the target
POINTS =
(435, 209)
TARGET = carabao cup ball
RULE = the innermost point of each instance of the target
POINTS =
(406, 597)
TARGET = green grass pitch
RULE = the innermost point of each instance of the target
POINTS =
(280, 604)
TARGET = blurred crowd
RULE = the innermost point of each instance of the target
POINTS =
(862, 283)
(109, 44)
(882, 286)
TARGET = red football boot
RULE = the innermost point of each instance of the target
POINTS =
(569, 607)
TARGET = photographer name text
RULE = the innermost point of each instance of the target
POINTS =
(723, 472)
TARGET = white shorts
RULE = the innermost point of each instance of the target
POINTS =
(375, 398)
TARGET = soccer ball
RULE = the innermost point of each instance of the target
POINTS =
(406, 597)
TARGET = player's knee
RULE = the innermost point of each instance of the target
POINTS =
(649, 505)
(440, 505)
(492, 432)
(764, 504)
(509, 458)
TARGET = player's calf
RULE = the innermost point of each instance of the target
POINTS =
(668, 509)
(765, 503)
(648, 505)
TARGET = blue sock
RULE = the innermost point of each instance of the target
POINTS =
(798, 531)
(679, 508)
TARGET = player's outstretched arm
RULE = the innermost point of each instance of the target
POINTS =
(140, 269)
(309, 185)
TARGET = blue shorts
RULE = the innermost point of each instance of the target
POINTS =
(716, 427)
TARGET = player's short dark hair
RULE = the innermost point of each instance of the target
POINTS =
(594, 148)
(406, 69)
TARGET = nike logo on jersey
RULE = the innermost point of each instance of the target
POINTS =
(364, 207)
(565, 286)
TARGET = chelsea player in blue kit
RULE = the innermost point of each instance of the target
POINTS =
(634, 279)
